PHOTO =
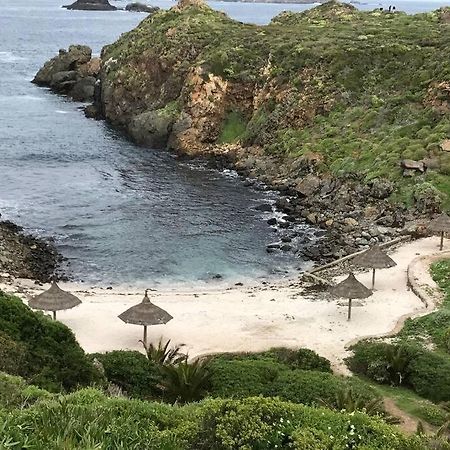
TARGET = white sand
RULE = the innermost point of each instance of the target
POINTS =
(244, 318)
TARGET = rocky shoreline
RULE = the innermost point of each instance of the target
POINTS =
(185, 108)
(26, 256)
(348, 214)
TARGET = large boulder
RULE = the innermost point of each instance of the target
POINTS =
(83, 89)
(65, 61)
(141, 7)
(91, 5)
(151, 129)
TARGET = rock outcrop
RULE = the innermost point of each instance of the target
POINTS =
(73, 72)
(141, 7)
(25, 256)
(91, 5)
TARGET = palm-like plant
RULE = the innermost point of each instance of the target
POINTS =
(398, 361)
(185, 382)
(161, 354)
(347, 401)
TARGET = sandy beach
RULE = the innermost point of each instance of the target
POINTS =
(244, 318)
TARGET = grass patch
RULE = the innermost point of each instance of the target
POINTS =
(233, 128)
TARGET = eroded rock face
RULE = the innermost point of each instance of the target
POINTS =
(91, 5)
(73, 72)
(141, 7)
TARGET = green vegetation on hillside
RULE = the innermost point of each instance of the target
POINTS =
(418, 358)
(88, 419)
(362, 89)
(41, 350)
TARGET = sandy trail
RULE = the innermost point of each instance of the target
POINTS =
(247, 318)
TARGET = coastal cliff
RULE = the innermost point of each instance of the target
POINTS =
(345, 112)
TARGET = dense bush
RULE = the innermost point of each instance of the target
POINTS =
(131, 371)
(11, 354)
(50, 356)
(87, 419)
(430, 376)
(245, 378)
(15, 393)
(424, 371)
(302, 358)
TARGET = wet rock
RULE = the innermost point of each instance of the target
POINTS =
(91, 5)
(272, 221)
(286, 247)
(264, 207)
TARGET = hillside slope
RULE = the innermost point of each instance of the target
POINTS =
(331, 90)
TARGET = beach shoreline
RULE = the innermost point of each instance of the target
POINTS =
(249, 317)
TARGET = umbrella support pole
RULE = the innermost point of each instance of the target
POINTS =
(442, 241)
(349, 309)
(54, 315)
(145, 336)
(373, 279)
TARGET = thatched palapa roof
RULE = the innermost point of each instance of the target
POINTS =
(374, 258)
(54, 299)
(350, 288)
(145, 313)
(440, 224)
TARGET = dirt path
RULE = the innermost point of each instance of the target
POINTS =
(408, 423)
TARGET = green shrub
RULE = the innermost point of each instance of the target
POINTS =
(88, 419)
(430, 376)
(243, 378)
(302, 358)
(11, 355)
(185, 381)
(424, 371)
(131, 371)
(50, 358)
(316, 388)
(432, 414)
(15, 393)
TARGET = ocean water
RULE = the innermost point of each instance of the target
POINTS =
(120, 213)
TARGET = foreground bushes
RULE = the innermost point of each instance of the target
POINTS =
(245, 378)
(131, 371)
(426, 372)
(41, 350)
(302, 358)
(87, 419)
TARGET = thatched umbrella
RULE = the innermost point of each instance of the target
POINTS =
(350, 288)
(54, 299)
(145, 313)
(374, 259)
(440, 225)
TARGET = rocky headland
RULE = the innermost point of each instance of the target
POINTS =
(346, 113)
(26, 256)
(73, 72)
